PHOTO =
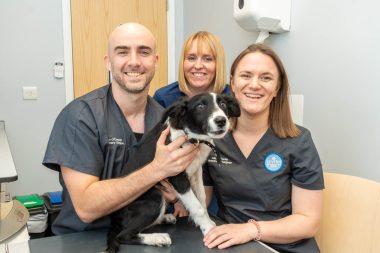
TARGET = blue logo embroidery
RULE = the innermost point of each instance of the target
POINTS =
(273, 162)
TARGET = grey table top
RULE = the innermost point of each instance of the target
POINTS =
(186, 238)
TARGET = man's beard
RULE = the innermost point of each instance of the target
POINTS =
(135, 90)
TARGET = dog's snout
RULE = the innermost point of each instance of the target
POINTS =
(220, 121)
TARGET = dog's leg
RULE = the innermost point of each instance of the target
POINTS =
(128, 236)
(164, 218)
(197, 212)
(196, 184)
(140, 221)
(167, 218)
(155, 239)
(129, 222)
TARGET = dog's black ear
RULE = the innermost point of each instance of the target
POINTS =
(233, 108)
(176, 114)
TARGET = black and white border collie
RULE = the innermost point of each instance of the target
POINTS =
(202, 118)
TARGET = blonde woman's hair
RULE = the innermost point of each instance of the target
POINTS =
(205, 41)
(280, 118)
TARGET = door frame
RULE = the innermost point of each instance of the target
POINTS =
(67, 46)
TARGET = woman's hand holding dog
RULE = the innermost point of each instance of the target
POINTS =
(167, 191)
(226, 235)
(180, 210)
(172, 159)
(171, 197)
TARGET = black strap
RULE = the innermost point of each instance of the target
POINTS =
(218, 158)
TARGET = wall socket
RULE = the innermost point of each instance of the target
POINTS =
(29, 92)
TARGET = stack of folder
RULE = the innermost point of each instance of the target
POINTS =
(37, 222)
(33, 203)
(53, 203)
(53, 200)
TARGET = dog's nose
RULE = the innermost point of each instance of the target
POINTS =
(220, 121)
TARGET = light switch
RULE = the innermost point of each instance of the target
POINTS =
(58, 70)
(29, 92)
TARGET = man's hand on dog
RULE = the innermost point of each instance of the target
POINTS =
(172, 159)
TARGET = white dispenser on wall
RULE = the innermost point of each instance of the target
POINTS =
(263, 15)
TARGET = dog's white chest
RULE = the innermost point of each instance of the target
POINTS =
(201, 157)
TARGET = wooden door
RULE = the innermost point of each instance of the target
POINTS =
(93, 20)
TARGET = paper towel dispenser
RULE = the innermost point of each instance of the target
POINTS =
(263, 15)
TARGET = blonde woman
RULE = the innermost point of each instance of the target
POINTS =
(202, 68)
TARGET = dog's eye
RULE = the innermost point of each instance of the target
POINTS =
(222, 105)
(200, 107)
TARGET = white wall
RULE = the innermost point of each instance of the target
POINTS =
(31, 40)
(332, 55)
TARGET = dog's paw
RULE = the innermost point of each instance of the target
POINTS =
(205, 228)
(169, 219)
(156, 239)
(162, 239)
